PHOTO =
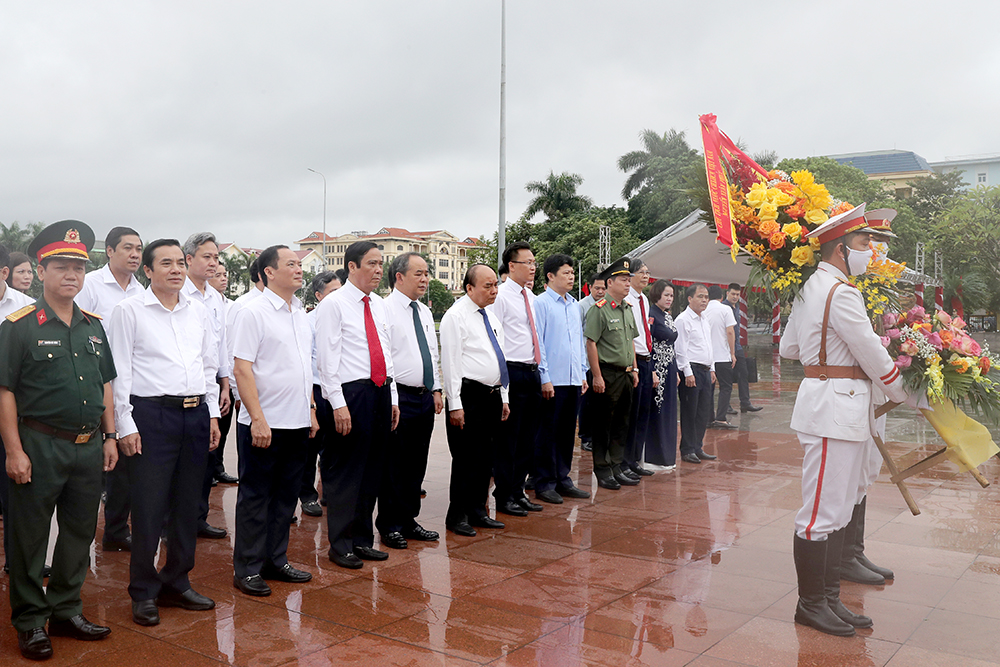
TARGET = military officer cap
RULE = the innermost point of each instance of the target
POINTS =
(880, 222)
(841, 225)
(620, 267)
(66, 239)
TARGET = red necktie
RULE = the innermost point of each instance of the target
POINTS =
(374, 345)
(645, 324)
(531, 323)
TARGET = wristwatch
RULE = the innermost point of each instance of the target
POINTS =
(111, 435)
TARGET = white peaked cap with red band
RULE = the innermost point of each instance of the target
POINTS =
(840, 225)
(880, 221)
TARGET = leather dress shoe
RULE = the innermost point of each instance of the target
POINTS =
(730, 411)
(726, 426)
(350, 561)
(225, 478)
(609, 483)
(421, 534)
(394, 540)
(312, 508)
(294, 519)
(625, 480)
(252, 585)
(701, 454)
(528, 505)
(145, 612)
(370, 553)
(211, 532)
(549, 496)
(285, 573)
(690, 457)
(572, 492)
(34, 644)
(189, 599)
(511, 508)
(78, 627)
(462, 528)
(750, 408)
(640, 471)
(117, 545)
(486, 522)
(628, 473)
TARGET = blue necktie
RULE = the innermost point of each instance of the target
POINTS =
(425, 352)
(504, 378)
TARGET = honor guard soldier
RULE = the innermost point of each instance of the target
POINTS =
(610, 330)
(830, 333)
(55, 401)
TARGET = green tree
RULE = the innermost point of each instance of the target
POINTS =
(968, 235)
(439, 298)
(556, 196)
(238, 268)
(842, 180)
(16, 238)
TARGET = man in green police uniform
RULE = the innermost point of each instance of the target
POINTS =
(55, 401)
(610, 330)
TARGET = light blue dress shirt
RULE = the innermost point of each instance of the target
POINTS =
(560, 332)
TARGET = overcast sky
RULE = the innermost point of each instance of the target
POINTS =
(175, 117)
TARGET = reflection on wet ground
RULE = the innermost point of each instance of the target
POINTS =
(692, 567)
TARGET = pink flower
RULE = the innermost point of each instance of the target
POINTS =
(943, 317)
(885, 341)
(909, 347)
(970, 347)
(958, 323)
(889, 320)
(903, 361)
(934, 339)
(916, 314)
(892, 333)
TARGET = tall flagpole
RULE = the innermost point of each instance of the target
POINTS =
(501, 227)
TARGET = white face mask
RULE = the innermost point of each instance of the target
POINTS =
(857, 261)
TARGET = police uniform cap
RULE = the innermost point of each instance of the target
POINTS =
(67, 239)
(620, 267)
(880, 222)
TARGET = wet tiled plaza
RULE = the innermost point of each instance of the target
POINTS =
(692, 567)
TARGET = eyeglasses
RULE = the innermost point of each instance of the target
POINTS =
(530, 263)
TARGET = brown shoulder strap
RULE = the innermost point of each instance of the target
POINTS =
(826, 320)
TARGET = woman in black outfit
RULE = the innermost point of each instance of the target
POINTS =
(661, 438)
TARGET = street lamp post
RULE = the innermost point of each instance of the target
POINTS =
(325, 267)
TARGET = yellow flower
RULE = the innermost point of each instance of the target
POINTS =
(793, 229)
(757, 195)
(803, 177)
(779, 198)
(816, 216)
(814, 243)
(768, 211)
(802, 255)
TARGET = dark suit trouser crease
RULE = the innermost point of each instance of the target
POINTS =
(642, 400)
(166, 479)
(724, 376)
(612, 411)
(584, 411)
(695, 410)
(314, 448)
(516, 446)
(5, 500)
(556, 439)
(405, 464)
(743, 377)
(350, 465)
(472, 449)
(267, 496)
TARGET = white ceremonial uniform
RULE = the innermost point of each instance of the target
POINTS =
(13, 300)
(633, 299)
(466, 350)
(101, 291)
(834, 416)
(404, 348)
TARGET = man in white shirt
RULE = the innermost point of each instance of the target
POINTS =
(642, 398)
(102, 290)
(166, 411)
(355, 371)
(273, 368)
(201, 252)
(475, 382)
(722, 321)
(514, 308)
(216, 458)
(695, 359)
(415, 357)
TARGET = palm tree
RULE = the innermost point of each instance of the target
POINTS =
(556, 196)
(16, 238)
(662, 152)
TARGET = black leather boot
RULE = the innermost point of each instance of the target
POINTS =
(835, 545)
(812, 609)
(851, 569)
(859, 541)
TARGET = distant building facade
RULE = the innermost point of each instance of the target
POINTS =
(894, 168)
(976, 169)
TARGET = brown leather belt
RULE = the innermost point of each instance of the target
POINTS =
(73, 436)
(827, 372)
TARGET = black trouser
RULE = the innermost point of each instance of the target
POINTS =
(166, 479)
(117, 504)
(743, 377)
(642, 400)
(405, 462)
(314, 448)
(585, 412)
(695, 408)
(516, 445)
(724, 376)
(267, 496)
(350, 465)
(4, 500)
(554, 445)
(216, 457)
(472, 450)
(612, 410)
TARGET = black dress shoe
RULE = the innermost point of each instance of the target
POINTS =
(294, 519)
(587, 446)
(78, 627)
(486, 522)
(726, 426)
(117, 545)
(34, 644)
(572, 492)
(350, 561)
(252, 585)
(462, 528)
(511, 508)
(189, 599)
(628, 473)
(750, 408)
(528, 505)
(640, 471)
(394, 540)
(370, 553)
(608, 483)
(312, 508)
(225, 478)
(285, 573)
(701, 454)
(625, 480)
(211, 532)
(144, 612)
(730, 411)
(421, 534)
(690, 457)
(549, 496)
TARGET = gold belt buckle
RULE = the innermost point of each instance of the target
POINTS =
(191, 402)
(83, 438)
(823, 377)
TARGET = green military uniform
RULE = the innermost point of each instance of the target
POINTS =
(612, 328)
(57, 374)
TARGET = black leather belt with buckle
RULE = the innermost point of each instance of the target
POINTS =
(78, 437)
(185, 402)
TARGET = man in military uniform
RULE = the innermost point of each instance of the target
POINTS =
(55, 401)
(830, 333)
(610, 330)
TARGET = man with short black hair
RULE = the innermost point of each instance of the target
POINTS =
(695, 361)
